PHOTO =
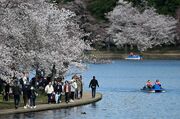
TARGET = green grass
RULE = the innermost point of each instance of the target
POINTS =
(41, 99)
(168, 52)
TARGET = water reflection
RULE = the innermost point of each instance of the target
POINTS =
(93, 105)
(16, 116)
(120, 84)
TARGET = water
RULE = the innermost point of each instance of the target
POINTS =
(120, 84)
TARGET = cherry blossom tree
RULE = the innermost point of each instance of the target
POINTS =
(36, 34)
(145, 29)
(178, 18)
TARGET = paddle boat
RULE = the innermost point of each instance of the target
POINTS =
(155, 89)
(132, 56)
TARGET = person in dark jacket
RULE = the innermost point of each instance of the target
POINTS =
(33, 94)
(93, 83)
(33, 82)
(58, 92)
(26, 95)
(2, 82)
(81, 92)
(7, 88)
(16, 92)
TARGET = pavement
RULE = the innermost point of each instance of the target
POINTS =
(86, 99)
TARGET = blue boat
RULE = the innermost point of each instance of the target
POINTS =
(133, 57)
(155, 89)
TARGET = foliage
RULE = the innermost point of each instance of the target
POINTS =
(143, 30)
(99, 7)
(36, 34)
(60, 1)
(162, 6)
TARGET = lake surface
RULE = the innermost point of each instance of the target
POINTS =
(120, 84)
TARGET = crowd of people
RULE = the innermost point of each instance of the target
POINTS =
(72, 89)
(15, 88)
(54, 89)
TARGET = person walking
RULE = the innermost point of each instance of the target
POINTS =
(93, 83)
(67, 91)
(58, 92)
(73, 89)
(49, 89)
(33, 94)
(79, 87)
(26, 96)
(81, 92)
(7, 89)
(16, 92)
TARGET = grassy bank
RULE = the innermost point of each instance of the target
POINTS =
(41, 99)
(86, 99)
(173, 54)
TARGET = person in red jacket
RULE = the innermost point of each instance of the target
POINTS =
(149, 84)
(67, 91)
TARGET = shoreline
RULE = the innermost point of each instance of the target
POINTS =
(86, 99)
(146, 55)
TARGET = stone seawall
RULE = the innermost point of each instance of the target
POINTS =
(86, 99)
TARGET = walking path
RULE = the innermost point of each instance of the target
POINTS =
(86, 99)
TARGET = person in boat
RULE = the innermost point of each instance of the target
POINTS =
(158, 83)
(131, 54)
(149, 84)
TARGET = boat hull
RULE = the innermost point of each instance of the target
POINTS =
(153, 90)
(134, 57)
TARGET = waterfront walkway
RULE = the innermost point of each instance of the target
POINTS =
(86, 99)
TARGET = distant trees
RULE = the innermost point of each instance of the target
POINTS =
(99, 7)
(36, 34)
(178, 26)
(145, 29)
(167, 7)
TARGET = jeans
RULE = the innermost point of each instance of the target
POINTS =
(6, 96)
(49, 98)
(67, 97)
(72, 95)
(25, 98)
(16, 100)
(32, 101)
(93, 92)
(58, 98)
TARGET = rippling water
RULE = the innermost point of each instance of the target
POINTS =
(120, 84)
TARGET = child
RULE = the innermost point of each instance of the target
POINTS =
(53, 100)
(57, 97)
